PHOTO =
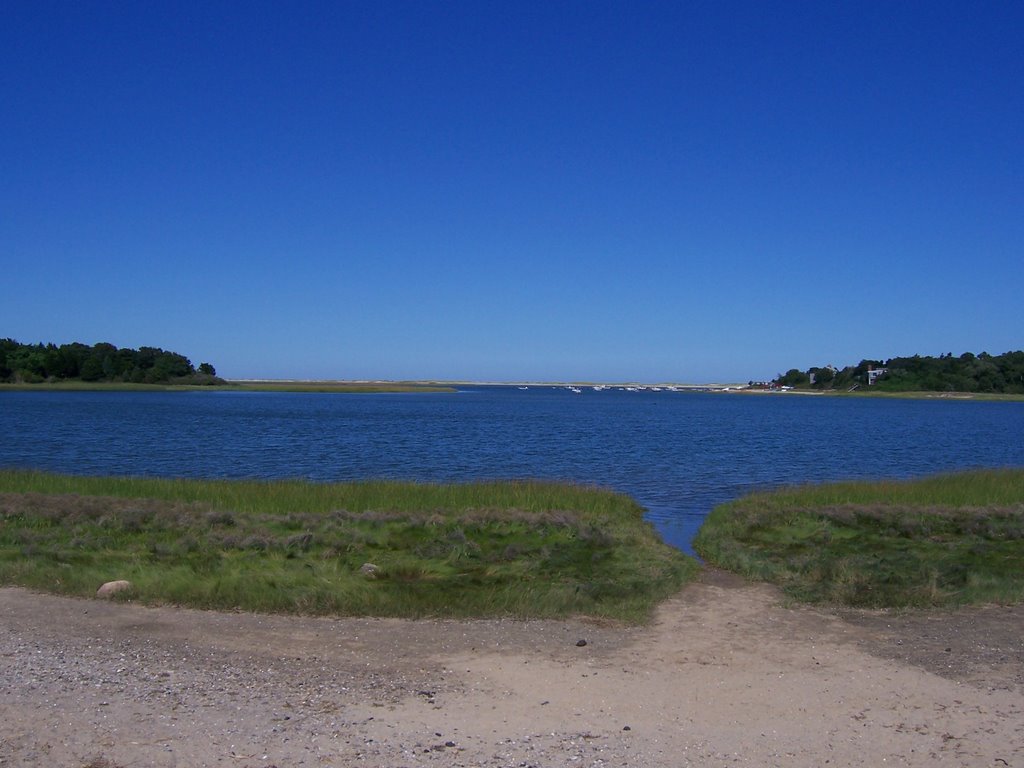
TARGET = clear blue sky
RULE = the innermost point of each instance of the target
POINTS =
(659, 191)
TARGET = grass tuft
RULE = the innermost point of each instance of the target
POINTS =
(947, 540)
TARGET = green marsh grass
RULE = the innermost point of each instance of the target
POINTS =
(524, 549)
(946, 540)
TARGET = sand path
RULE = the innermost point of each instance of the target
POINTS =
(726, 675)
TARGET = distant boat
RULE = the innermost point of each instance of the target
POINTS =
(522, 387)
(576, 390)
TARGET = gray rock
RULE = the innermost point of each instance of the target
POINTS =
(111, 588)
(369, 570)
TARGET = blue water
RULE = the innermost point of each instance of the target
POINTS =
(677, 454)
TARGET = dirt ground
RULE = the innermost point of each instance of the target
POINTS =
(725, 676)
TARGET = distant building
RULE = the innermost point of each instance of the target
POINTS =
(874, 373)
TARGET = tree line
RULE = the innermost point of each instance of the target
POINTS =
(37, 363)
(1003, 374)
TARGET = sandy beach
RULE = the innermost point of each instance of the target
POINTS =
(725, 675)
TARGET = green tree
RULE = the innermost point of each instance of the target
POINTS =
(822, 377)
(92, 369)
(170, 365)
(100, 362)
(793, 378)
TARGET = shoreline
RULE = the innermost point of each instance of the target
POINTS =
(376, 386)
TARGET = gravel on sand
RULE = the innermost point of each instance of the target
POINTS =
(725, 675)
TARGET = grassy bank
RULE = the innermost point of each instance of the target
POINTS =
(942, 541)
(523, 549)
(340, 387)
(873, 393)
(930, 395)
